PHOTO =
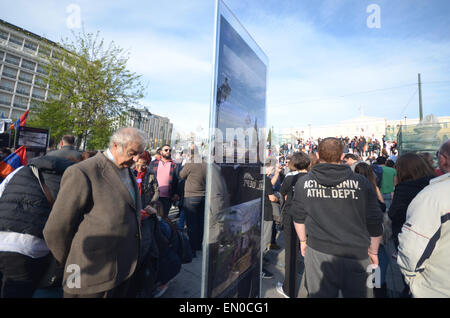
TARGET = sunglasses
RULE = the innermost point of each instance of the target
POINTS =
(167, 150)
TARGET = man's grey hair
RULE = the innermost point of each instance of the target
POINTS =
(124, 136)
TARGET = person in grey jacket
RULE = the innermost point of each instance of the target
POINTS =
(67, 149)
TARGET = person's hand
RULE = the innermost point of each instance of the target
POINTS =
(150, 210)
(175, 197)
(373, 258)
(279, 168)
(303, 247)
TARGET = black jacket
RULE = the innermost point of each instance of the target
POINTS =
(404, 193)
(66, 152)
(23, 205)
(149, 185)
(339, 209)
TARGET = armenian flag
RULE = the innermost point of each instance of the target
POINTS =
(21, 121)
(13, 161)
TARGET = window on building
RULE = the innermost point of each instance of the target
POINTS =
(43, 69)
(26, 77)
(6, 85)
(5, 99)
(35, 104)
(44, 51)
(20, 102)
(3, 35)
(56, 55)
(40, 81)
(23, 89)
(12, 59)
(15, 41)
(28, 65)
(52, 95)
(5, 111)
(9, 72)
(38, 93)
(30, 46)
(2, 54)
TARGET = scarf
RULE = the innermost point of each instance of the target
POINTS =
(139, 177)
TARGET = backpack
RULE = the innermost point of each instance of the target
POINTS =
(146, 273)
(182, 246)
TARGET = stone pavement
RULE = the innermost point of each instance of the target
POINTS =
(187, 284)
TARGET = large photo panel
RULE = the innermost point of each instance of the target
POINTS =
(235, 184)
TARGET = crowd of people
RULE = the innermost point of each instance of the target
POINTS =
(97, 225)
(103, 214)
(362, 146)
(348, 216)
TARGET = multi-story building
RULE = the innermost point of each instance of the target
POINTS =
(23, 75)
(158, 129)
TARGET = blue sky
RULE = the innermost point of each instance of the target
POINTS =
(322, 53)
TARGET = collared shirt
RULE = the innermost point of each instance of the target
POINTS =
(125, 176)
(25, 244)
(163, 177)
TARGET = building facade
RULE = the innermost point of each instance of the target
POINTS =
(157, 128)
(23, 74)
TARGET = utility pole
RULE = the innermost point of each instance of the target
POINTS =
(420, 99)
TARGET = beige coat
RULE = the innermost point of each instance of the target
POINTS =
(94, 224)
(424, 243)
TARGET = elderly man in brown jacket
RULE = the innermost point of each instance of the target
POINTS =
(93, 228)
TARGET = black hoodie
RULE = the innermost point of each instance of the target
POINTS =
(339, 209)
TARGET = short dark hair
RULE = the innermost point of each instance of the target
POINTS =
(68, 139)
(299, 161)
(331, 149)
(351, 156)
(158, 151)
(381, 160)
(390, 163)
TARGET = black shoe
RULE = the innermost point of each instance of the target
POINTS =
(266, 274)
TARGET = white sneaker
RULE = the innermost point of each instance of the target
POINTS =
(280, 290)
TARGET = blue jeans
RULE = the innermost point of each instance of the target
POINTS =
(387, 197)
(194, 211)
(383, 262)
(182, 220)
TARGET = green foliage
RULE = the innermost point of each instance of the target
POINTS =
(90, 89)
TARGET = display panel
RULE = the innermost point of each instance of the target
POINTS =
(235, 184)
(33, 138)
